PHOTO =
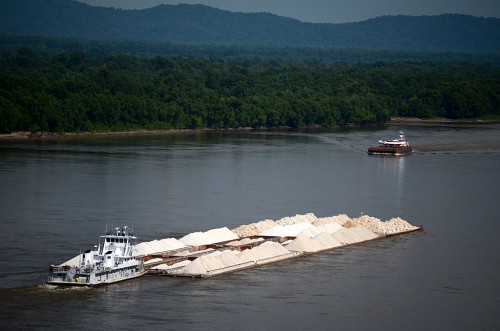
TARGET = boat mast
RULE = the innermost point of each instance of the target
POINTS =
(401, 135)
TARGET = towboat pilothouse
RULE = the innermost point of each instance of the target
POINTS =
(392, 147)
(114, 260)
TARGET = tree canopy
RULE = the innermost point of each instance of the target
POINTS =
(73, 91)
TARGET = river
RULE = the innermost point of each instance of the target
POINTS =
(57, 196)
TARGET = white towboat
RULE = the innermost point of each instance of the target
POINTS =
(113, 261)
(392, 147)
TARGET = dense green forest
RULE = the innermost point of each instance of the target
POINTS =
(72, 92)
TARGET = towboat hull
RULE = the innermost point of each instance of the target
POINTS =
(73, 277)
(81, 280)
(380, 150)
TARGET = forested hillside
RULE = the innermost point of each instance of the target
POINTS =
(77, 92)
(196, 24)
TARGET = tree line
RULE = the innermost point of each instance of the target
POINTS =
(72, 92)
(46, 46)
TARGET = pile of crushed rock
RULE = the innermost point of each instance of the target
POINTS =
(156, 246)
(221, 261)
(288, 226)
(392, 226)
(299, 234)
(213, 236)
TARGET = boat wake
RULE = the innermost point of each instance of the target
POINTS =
(60, 289)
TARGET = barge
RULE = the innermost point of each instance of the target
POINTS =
(219, 251)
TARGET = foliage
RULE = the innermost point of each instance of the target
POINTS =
(77, 92)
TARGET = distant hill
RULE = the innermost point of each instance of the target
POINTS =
(198, 24)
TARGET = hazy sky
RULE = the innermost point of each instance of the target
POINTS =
(330, 11)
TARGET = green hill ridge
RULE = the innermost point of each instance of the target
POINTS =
(199, 24)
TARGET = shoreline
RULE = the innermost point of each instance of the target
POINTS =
(25, 135)
(439, 121)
